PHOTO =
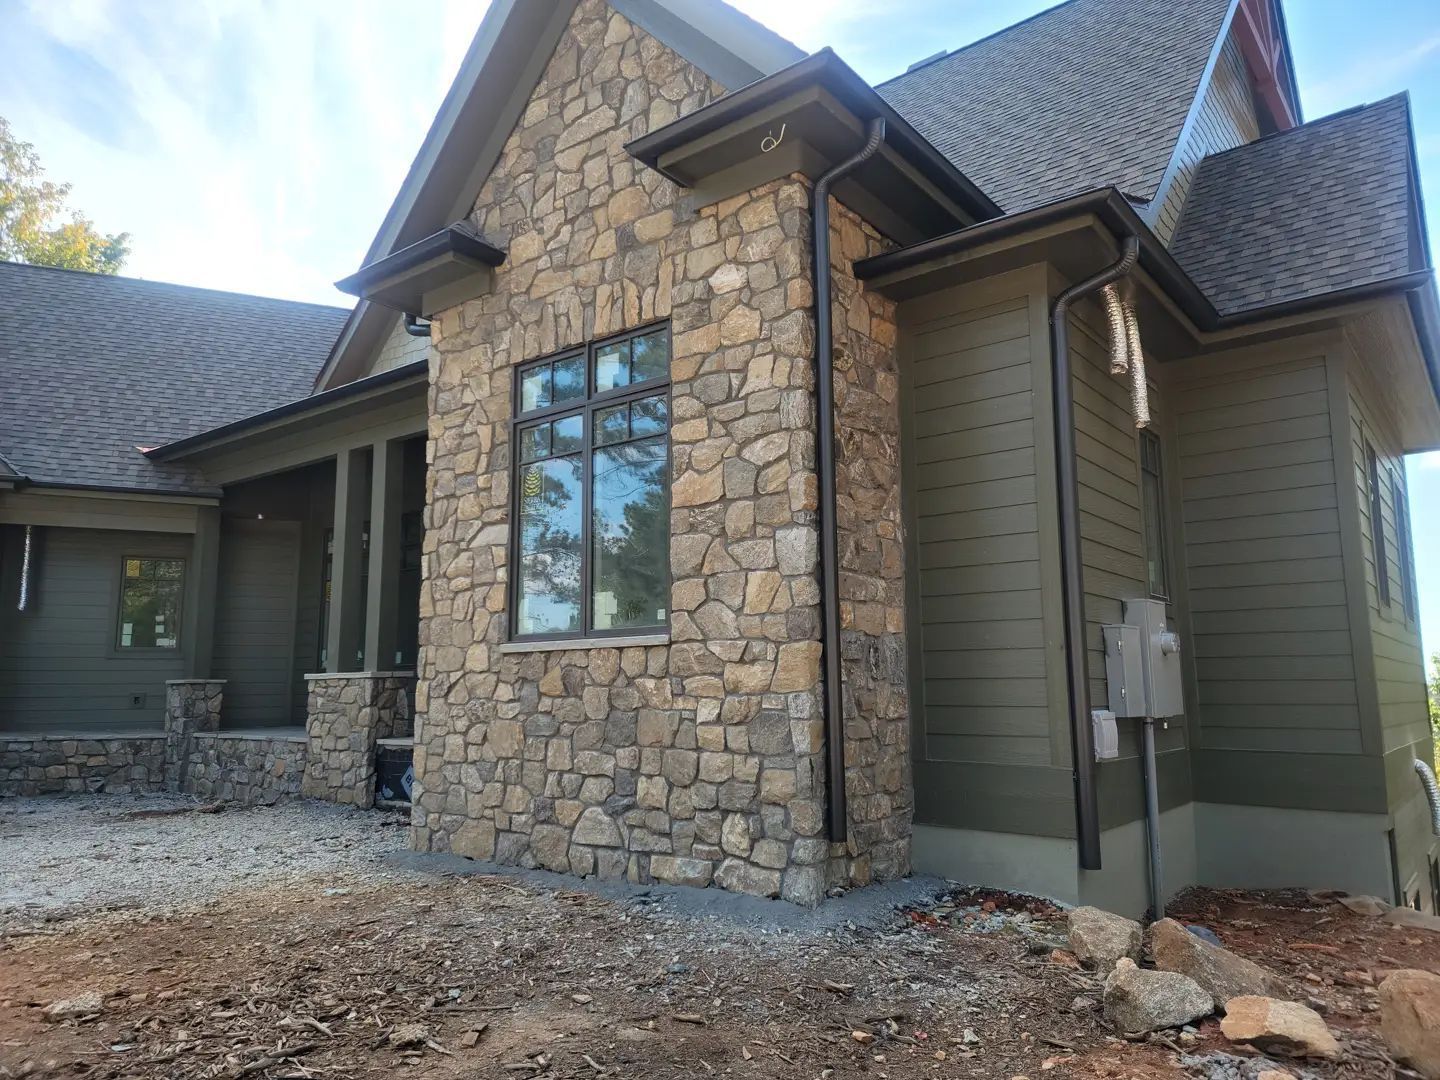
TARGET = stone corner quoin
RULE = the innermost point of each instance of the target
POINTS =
(701, 761)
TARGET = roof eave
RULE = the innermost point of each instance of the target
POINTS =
(402, 281)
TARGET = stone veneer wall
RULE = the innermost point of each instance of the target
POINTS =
(50, 765)
(878, 783)
(347, 714)
(246, 769)
(696, 761)
(192, 706)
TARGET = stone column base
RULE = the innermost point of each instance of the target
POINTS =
(348, 713)
(191, 705)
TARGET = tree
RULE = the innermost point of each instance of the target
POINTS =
(33, 228)
(1434, 689)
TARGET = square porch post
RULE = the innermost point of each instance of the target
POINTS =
(345, 634)
(383, 600)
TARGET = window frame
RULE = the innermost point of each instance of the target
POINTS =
(1162, 534)
(1378, 547)
(116, 647)
(1409, 594)
(585, 406)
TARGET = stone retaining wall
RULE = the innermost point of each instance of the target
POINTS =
(247, 769)
(47, 765)
(348, 714)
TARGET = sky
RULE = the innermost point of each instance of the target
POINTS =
(255, 145)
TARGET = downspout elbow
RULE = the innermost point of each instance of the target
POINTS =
(414, 327)
(1077, 676)
(837, 814)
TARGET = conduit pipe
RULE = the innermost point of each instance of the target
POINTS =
(836, 810)
(1072, 591)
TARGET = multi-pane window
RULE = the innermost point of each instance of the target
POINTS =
(1408, 593)
(152, 593)
(1377, 526)
(592, 498)
(1152, 499)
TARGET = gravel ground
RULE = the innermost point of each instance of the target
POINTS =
(59, 856)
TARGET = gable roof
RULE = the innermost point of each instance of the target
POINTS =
(1327, 205)
(500, 70)
(1089, 94)
(95, 366)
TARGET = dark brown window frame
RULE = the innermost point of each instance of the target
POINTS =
(119, 649)
(1149, 439)
(1377, 527)
(1409, 594)
(585, 406)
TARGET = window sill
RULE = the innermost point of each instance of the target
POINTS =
(572, 644)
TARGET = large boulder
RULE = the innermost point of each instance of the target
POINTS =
(1100, 938)
(1137, 1000)
(1278, 1027)
(1219, 971)
(1410, 1019)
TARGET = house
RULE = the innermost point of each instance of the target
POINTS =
(1038, 479)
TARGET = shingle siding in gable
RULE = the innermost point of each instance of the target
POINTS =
(1088, 94)
(1321, 207)
(1226, 119)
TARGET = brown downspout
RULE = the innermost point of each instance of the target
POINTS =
(1072, 592)
(836, 815)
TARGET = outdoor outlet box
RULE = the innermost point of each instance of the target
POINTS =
(1107, 734)
(1124, 671)
(1159, 658)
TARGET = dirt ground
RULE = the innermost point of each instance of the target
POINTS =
(438, 975)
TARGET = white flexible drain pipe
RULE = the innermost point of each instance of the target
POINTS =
(1127, 355)
(24, 601)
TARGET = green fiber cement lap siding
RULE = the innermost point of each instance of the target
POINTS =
(59, 668)
(255, 621)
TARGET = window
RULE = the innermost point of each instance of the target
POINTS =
(1408, 595)
(592, 498)
(1152, 503)
(1377, 526)
(152, 593)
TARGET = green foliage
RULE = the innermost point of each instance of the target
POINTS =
(33, 228)
(1434, 688)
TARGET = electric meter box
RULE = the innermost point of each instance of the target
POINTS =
(1142, 663)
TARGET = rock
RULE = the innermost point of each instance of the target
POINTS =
(1219, 972)
(1137, 1000)
(1273, 1074)
(1278, 1027)
(89, 1003)
(1410, 1019)
(596, 829)
(1100, 938)
(409, 1035)
(1412, 919)
(1365, 905)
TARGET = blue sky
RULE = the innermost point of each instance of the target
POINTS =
(255, 144)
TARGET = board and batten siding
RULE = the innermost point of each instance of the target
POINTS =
(982, 737)
(1224, 119)
(1280, 719)
(59, 668)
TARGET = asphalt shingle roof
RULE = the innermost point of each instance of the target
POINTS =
(1089, 94)
(1320, 207)
(92, 367)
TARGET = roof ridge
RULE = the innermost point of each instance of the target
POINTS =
(1311, 125)
(978, 41)
(152, 282)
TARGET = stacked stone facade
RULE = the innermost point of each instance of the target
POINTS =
(699, 760)
(73, 764)
(249, 770)
(192, 706)
(348, 713)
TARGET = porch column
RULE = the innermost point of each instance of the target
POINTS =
(203, 583)
(346, 633)
(383, 601)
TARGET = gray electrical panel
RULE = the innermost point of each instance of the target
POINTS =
(1142, 663)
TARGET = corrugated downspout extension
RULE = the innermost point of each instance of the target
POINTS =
(1082, 742)
(24, 601)
(1432, 793)
(1127, 354)
(836, 815)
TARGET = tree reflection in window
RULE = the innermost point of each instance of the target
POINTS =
(592, 498)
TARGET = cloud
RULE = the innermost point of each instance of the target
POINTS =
(1368, 77)
(247, 146)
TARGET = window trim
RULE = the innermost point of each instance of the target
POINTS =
(1162, 532)
(1378, 547)
(1405, 550)
(116, 649)
(585, 407)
